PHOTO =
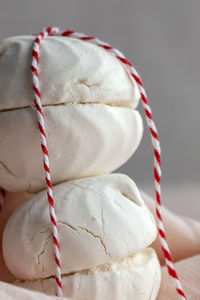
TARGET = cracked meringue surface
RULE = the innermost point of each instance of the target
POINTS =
(89, 101)
(105, 230)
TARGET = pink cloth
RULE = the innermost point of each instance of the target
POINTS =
(183, 235)
(188, 269)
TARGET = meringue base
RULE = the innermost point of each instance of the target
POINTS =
(135, 277)
(91, 139)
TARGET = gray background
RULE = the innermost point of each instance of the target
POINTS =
(162, 39)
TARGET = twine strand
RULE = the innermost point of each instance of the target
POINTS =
(156, 150)
(41, 126)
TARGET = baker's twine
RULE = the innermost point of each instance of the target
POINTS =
(41, 125)
(49, 31)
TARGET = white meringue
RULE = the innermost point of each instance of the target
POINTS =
(88, 98)
(83, 140)
(100, 219)
(136, 277)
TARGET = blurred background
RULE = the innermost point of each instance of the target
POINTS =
(162, 39)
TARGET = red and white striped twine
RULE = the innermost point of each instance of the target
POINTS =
(41, 125)
(154, 138)
(156, 150)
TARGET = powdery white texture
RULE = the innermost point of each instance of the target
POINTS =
(83, 140)
(100, 219)
(70, 70)
(134, 277)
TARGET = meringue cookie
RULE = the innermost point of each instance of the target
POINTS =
(89, 99)
(70, 70)
(134, 277)
(83, 140)
(100, 219)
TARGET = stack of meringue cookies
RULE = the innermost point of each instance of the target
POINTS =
(105, 230)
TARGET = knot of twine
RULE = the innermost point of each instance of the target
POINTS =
(50, 31)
